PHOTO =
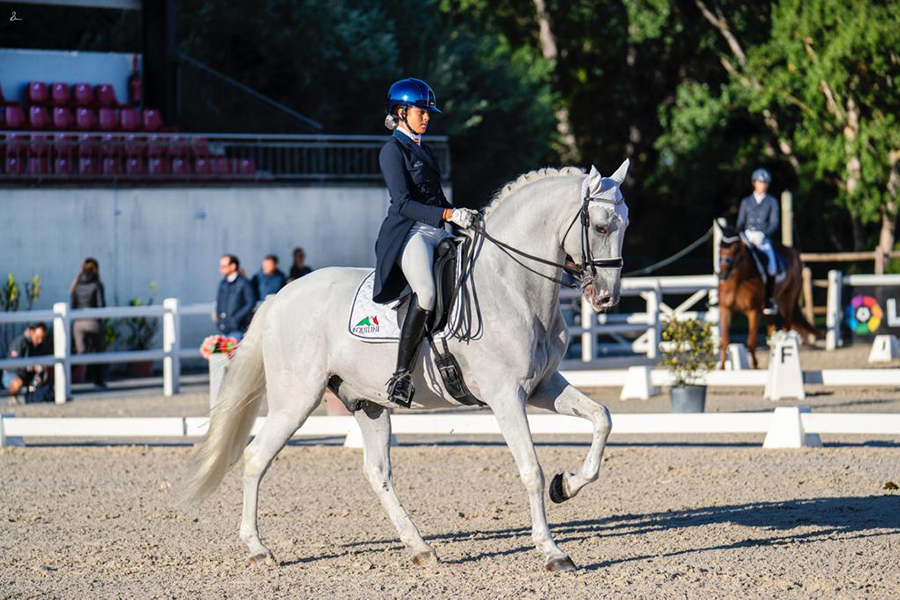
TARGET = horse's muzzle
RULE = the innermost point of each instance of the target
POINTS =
(601, 301)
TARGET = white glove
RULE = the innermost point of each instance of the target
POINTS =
(463, 217)
(756, 237)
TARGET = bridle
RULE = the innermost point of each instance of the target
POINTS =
(728, 261)
(579, 271)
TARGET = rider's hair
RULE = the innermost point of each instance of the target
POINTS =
(392, 121)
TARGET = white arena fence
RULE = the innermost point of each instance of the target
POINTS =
(61, 317)
(784, 427)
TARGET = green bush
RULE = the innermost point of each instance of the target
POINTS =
(689, 351)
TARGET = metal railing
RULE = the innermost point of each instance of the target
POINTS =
(121, 157)
(62, 359)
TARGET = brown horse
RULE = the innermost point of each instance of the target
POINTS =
(742, 288)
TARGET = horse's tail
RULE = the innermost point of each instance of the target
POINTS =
(800, 323)
(233, 416)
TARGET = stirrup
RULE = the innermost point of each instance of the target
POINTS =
(401, 389)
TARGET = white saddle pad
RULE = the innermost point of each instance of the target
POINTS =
(371, 321)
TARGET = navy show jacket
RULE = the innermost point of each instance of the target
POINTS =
(759, 216)
(413, 179)
(234, 305)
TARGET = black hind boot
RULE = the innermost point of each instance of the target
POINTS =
(400, 386)
(771, 307)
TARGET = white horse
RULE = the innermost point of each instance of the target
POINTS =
(298, 344)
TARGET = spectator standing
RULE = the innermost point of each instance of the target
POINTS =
(88, 334)
(33, 342)
(270, 278)
(235, 300)
(299, 268)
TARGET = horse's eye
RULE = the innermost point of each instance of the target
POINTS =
(601, 229)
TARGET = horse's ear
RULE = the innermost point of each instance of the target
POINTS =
(619, 175)
(594, 182)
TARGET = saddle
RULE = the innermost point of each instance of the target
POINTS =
(378, 323)
(762, 261)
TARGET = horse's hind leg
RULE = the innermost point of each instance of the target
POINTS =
(375, 425)
(557, 395)
(287, 413)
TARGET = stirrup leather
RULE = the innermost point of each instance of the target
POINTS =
(401, 389)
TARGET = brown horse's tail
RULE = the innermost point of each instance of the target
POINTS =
(800, 323)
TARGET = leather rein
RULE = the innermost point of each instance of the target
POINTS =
(579, 271)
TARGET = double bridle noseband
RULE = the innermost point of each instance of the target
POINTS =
(588, 265)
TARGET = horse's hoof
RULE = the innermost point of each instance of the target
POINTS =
(561, 565)
(557, 491)
(262, 558)
(425, 558)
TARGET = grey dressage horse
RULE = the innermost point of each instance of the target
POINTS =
(298, 342)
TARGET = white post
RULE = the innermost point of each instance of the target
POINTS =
(833, 316)
(588, 339)
(717, 241)
(171, 346)
(654, 328)
(62, 368)
(2, 432)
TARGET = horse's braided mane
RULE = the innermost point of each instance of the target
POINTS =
(507, 190)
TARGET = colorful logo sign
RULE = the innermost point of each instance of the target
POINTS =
(367, 325)
(864, 315)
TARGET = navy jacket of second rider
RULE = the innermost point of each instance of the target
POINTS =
(413, 179)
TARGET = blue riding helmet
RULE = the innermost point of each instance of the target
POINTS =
(412, 92)
(761, 175)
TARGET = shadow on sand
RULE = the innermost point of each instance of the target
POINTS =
(833, 518)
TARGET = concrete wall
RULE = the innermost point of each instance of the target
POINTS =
(62, 66)
(175, 235)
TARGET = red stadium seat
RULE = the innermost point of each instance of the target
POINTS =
(108, 119)
(220, 166)
(180, 166)
(134, 165)
(85, 118)
(128, 119)
(135, 145)
(63, 166)
(38, 165)
(37, 92)
(84, 94)
(60, 94)
(111, 166)
(111, 144)
(38, 117)
(246, 166)
(39, 145)
(177, 145)
(14, 164)
(88, 154)
(152, 119)
(14, 117)
(62, 118)
(202, 165)
(158, 165)
(106, 95)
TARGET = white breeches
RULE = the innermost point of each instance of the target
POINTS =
(416, 260)
(765, 246)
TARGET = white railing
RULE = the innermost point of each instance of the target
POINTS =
(171, 353)
(647, 323)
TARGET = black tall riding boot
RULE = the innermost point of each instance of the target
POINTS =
(400, 386)
(770, 294)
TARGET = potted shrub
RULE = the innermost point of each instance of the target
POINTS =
(139, 333)
(689, 352)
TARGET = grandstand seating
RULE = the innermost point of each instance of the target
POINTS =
(65, 131)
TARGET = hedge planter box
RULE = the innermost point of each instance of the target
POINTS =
(688, 398)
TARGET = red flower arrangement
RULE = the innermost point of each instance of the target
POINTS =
(218, 344)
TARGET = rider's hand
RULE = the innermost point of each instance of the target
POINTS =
(755, 237)
(463, 217)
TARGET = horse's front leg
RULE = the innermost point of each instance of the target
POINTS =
(375, 425)
(724, 332)
(752, 327)
(510, 413)
(558, 395)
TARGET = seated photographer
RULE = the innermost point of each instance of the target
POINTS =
(31, 379)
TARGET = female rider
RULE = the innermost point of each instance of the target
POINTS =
(412, 228)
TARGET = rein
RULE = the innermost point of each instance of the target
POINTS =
(588, 262)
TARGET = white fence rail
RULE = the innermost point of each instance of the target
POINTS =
(463, 424)
(647, 324)
(171, 353)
